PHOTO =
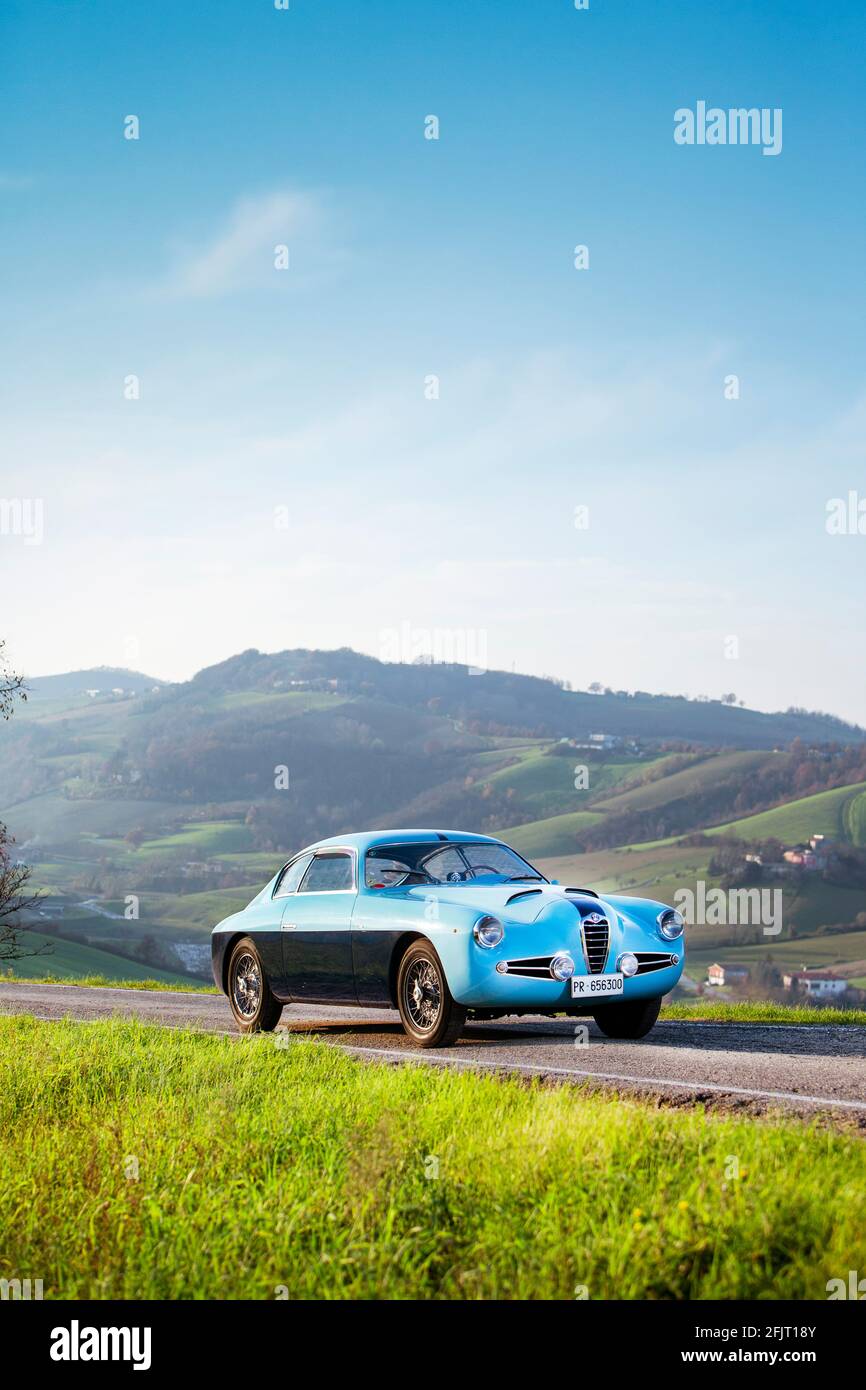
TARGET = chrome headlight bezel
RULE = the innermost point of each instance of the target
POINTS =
(485, 932)
(671, 924)
(562, 966)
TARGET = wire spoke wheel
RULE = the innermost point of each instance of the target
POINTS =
(422, 994)
(247, 985)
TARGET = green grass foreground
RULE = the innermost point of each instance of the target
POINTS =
(757, 1011)
(142, 1162)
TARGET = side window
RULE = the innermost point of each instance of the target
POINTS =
(291, 876)
(328, 873)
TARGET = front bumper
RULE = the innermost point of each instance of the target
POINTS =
(478, 984)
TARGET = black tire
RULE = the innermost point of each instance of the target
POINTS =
(255, 1009)
(628, 1020)
(422, 992)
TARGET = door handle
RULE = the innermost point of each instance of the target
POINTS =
(289, 926)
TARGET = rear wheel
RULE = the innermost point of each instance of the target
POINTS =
(430, 1015)
(255, 1008)
(628, 1020)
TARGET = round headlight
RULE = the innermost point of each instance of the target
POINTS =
(488, 931)
(627, 963)
(562, 967)
(671, 923)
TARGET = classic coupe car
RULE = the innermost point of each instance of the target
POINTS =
(443, 926)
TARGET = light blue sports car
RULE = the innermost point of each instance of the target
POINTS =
(443, 926)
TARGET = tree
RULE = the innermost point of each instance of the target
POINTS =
(14, 898)
(14, 877)
(11, 685)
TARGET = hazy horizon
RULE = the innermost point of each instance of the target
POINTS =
(163, 679)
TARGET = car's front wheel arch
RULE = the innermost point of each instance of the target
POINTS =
(430, 1014)
(228, 952)
(401, 946)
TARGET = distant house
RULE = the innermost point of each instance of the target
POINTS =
(731, 973)
(823, 849)
(803, 856)
(816, 983)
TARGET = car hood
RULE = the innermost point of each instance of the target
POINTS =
(521, 901)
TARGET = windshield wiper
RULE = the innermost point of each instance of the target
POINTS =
(522, 878)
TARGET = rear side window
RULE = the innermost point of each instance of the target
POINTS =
(385, 872)
(291, 876)
(329, 873)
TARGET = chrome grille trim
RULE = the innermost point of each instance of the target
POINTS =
(596, 940)
(653, 960)
(531, 967)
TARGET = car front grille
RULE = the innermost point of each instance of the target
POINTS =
(596, 937)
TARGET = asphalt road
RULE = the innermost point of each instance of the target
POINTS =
(753, 1067)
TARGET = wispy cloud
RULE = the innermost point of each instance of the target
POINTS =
(13, 183)
(240, 254)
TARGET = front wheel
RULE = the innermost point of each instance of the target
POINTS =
(628, 1020)
(430, 1015)
(253, 1005)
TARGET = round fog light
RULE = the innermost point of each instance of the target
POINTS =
(628, 963)
(562, 967)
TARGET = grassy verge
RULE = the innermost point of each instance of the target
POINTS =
(756, 1011)
(103, 982)
(148, 1163)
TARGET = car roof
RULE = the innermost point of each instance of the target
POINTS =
(367, 839)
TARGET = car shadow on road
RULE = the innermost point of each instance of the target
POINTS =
(767, 1039)
(807, 1040)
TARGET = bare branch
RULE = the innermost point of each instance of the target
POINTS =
(12, 686)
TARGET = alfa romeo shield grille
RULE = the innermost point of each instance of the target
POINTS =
(596, 933)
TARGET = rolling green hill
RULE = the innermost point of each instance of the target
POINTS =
(545, 782)
(69, 958)
(827, 813)
(548, 837)
(705, 772)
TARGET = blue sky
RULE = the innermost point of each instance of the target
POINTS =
(304, 389)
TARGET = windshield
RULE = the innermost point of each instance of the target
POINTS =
(458, 861)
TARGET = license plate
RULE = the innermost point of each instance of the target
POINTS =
(596, 986)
